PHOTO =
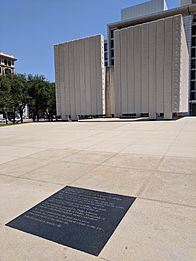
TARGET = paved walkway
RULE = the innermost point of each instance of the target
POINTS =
(152, 160)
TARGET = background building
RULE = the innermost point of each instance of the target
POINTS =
(146, 8)
(130, 13)
(7, 63)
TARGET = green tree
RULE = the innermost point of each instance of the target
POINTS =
(6, 102)
(19, 94)
(42, 96)
(51, 101)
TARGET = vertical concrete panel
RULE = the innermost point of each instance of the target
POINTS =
(184, 73)
(109, 91)
(130, 70)
(63, 109)
(82, 78)
(168, 68)
(77, 76)
(61, 81)
(72, 80)
(98, 75)
(93, 76)
(66, 81)
(137, 67)
(152, 70)
(117, 72)
(123, 43)
(144, 72)
(57, 83)
(160, 65)
(103, 75)
(87, 77)
(176, 63)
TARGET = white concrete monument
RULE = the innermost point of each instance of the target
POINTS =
(151, 68)
(80, 77)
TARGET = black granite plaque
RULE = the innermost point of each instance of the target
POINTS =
(79, 218)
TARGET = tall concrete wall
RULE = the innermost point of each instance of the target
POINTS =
(109, 85)
(151, 68)
(80, 77)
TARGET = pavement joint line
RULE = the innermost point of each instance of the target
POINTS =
(28, 172)
(166, 202)
(35, 180)
(175, 138)
(101, 164)
(103, 257)
(22, 157)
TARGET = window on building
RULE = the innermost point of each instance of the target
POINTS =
(193, 96)
(193, 75)
(7, 71)
(194, 30)
(193, 64)
(5, 61)
(193, 86)
(0, 70)
(9, 63)
(194, 41)
(193, 52)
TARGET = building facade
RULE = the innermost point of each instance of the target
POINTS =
(146, 8)
(7, 64)
(188, 11)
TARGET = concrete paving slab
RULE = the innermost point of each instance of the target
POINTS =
(8, 153)
(21, 166)
(18, 195)
(171, 187)
(63, 173)
(134, 161)
(27, 247)
(153, 160)
(89, 157)
(53, 154)
(154, 231)
(115, 180)
(148, 149)
(178, 165)
(182, 151)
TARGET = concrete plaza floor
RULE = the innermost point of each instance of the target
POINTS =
(154, 161)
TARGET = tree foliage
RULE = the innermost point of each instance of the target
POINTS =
(19, 90)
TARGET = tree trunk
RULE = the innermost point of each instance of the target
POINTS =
(21, 116)
(14, 120)
(6, 121)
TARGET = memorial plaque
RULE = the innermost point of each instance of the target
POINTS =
(78, 218)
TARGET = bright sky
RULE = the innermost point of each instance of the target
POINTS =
(30, 28)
